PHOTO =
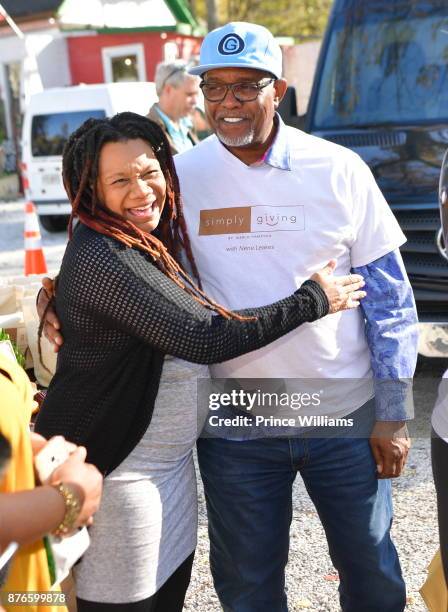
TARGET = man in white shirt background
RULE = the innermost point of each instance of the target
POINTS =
(178, 93)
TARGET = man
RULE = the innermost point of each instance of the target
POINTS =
(257, 176)
(178, 95)
(266, 205)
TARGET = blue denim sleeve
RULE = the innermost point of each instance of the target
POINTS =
(392, 335)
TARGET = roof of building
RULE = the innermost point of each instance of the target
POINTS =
(23, 9)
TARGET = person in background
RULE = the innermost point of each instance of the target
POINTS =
(439, 454)
(439, 438)
(67, 502)
(178, 94)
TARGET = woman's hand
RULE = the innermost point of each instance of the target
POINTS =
(343, 292)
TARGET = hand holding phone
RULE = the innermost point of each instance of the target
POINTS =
(52, 455)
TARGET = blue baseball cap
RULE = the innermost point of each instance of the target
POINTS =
(240, 45)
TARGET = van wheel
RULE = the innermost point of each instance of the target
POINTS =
(54, 223)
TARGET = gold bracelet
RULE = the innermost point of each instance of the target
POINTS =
(72, 510)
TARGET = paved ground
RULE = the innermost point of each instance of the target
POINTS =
(11, 241)
(311, 580)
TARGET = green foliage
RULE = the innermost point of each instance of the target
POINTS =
(19, 355)
(300, 19)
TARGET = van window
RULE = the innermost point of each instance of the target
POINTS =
(49, 133)
(386, 63)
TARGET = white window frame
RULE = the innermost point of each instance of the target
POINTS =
(109, 53)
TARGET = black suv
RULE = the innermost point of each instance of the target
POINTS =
(381, 89)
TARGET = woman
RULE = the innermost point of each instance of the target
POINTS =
(124, 303)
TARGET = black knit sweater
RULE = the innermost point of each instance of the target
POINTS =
(120, 314)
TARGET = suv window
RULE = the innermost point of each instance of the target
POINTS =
(386, 62)
(49, 133)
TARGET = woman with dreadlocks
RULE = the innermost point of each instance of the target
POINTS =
(125, 305)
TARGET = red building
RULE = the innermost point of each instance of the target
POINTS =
(125, 56)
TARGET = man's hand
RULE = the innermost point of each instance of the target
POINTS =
(390, 444)
(52, 325)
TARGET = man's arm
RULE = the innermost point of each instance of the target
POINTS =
(392, 336)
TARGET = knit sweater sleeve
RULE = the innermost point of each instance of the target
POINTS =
(119, 287)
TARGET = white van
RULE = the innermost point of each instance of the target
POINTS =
(50, 118)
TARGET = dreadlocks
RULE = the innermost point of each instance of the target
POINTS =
(80, 161)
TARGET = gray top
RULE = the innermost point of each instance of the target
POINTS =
(147, 524)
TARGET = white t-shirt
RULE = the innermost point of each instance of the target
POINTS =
(440, 412)
(258, 232)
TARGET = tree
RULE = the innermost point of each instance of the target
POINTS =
(212, 14)
(300, 19)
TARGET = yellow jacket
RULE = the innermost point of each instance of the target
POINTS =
(29, 569)
(435, 590)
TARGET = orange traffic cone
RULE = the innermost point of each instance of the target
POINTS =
(34, 255)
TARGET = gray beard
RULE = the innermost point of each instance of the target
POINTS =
(240, 141)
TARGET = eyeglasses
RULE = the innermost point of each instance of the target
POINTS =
(243, 92)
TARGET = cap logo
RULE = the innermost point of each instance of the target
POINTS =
(231, 44)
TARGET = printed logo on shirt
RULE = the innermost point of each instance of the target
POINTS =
(251, 219)
(225, 221)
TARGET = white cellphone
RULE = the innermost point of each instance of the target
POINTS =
(54, 453)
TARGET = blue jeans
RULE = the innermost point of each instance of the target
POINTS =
(248, 489)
